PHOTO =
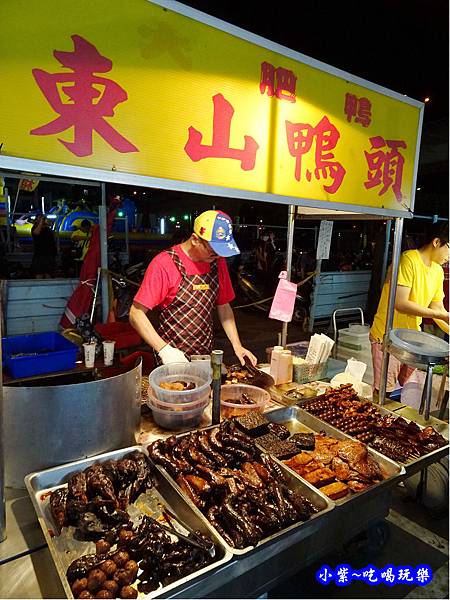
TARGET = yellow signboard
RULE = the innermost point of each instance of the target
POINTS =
(139, 89)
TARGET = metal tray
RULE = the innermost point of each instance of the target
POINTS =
(64, 548)
(320, 501)
(298, 420)
(412, 466)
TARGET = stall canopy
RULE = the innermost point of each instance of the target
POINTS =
(160, 95)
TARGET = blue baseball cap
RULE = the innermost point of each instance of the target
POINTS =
(216, 227)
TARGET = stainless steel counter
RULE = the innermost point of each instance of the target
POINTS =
(27, 569)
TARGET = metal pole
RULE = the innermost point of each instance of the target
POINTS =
(2, 454)
(290, 244)
(216, 363)
(8, 220)
(387, 240)
(127, 239)
(104, 255)
(391, 304)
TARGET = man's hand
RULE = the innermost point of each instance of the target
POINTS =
(168, 354)
(242, 352)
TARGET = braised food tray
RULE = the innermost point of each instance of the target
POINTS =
(64, 548)
(319, 500)
(411, 466)
(297, 420)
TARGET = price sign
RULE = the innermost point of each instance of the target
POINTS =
(324, 243)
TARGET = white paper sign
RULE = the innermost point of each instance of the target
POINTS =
(324, 242)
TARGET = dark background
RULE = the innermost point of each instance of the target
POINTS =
(399, 44)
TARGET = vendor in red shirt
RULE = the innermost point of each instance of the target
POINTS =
(185, 284)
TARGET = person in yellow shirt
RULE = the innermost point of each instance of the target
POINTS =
(420, 294)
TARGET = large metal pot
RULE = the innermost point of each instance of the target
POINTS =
(47, 426)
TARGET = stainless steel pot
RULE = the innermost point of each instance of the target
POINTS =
(47, 426)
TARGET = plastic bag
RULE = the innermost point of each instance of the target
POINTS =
(283, 302)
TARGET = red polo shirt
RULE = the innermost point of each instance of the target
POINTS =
(162, 279)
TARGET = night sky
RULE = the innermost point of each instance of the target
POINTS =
(402, 45)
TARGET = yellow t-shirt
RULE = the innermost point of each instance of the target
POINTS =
(426, 285)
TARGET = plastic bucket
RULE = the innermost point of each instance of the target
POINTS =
(178, 419)
(194, 372)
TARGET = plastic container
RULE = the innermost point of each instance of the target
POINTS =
(38, 353)
(195, 372)
(153, 401)
(419, 343)
(359, 328)
(354, 338)
(285, 367)
(230, 393)
(178, 419)
(275, 361)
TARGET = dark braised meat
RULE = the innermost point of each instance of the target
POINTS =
(304, 441)
(281, 449)
(279, 430)
(243, 493)
(254, 423)
(58, 503)
(96, 499)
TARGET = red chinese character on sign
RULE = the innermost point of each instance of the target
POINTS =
(385, 166)
(277, 81)
(267, 82)
(286, 82)
(300, 137)
(360, 108)
(81, 112)
(220, 147)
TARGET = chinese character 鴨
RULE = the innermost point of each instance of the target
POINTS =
(359, 108)
(91, 99)
(300, 137)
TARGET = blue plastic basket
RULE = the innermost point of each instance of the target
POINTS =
(38, 353)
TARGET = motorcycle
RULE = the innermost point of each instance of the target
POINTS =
(125, 280)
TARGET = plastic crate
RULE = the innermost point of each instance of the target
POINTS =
(304, 373)
(37, 354)
(122, 333)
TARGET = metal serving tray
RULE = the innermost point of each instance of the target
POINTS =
(412, 466)
(64, 548)
(320, 501)
(298, 420)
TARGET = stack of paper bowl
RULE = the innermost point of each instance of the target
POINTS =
(179, 409)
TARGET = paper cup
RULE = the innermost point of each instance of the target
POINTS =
(108, 352)
(89, 354)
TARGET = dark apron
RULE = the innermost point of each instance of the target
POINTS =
(187, 322)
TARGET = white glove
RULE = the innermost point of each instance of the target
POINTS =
(168, 354)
